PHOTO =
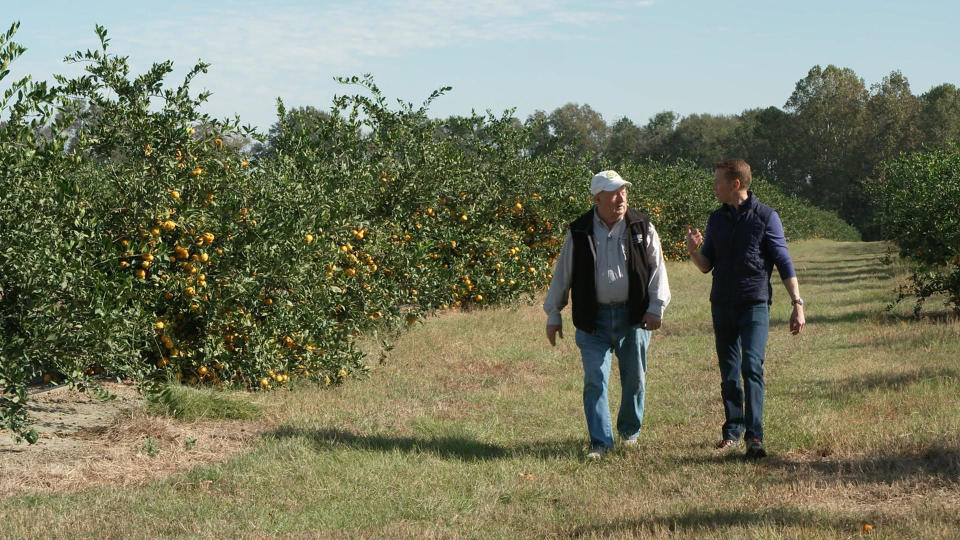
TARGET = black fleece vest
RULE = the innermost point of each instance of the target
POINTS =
(583, 290)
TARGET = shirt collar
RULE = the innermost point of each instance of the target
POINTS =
(598, 221)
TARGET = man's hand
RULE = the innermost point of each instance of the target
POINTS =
(650, 321)
(694, 239)
(552, 331)
(797, 320)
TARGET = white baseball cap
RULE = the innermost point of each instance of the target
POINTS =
(607, 181)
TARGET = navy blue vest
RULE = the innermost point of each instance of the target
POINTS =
(741, 269)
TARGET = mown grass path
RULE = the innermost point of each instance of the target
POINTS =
(474, 428)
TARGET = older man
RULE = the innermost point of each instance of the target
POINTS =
(612, 266)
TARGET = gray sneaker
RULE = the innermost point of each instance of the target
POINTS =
(755, 449)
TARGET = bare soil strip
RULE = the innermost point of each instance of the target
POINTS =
(87, 442)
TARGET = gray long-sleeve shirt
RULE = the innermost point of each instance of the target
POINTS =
(611, 270)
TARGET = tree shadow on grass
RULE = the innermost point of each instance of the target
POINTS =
(447, 447)
(859, 384)
(713, 521)
(813, 318)
(847, 274)
(931, 466)
(936, 464)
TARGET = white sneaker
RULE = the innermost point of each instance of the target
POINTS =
(631, 443)
(595, 453)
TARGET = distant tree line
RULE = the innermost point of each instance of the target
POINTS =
(829, 137)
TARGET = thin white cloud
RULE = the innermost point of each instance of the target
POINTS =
(294, 38)
(296, 49)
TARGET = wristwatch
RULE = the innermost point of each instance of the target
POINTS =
(797, 302)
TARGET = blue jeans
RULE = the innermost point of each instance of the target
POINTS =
(741, 339)
(613, 335)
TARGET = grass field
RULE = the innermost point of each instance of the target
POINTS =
(474, 428)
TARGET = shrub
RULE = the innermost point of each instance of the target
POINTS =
(917, 200)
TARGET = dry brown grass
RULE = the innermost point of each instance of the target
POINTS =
(473, 428)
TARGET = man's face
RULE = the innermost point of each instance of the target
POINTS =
(725, 190)
(611, 205)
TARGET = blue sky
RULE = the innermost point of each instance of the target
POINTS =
(628, 58)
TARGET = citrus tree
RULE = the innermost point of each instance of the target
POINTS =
(138, 241)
